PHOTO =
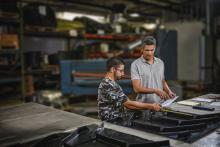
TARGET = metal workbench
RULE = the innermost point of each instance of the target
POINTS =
(30, 121)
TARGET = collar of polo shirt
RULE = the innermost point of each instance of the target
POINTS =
(145, 61)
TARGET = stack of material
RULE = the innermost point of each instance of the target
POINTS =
(39, 15)
(93, 26)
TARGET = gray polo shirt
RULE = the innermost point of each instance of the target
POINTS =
(150, 76)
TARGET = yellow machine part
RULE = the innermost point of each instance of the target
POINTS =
(64, 25)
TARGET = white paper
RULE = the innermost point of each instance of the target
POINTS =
(188, 103)
(215, 104)
(199, 99)
(169, 102)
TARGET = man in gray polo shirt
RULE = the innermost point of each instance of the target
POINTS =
(147, 75)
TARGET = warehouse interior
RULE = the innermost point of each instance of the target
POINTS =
(53, 55)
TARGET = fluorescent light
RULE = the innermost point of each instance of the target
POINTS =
(134, 15)
(70, 16)
(134, 44)
(150, 26)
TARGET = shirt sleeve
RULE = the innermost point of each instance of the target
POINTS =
(122, 98)
(118, 97)
(134, 72)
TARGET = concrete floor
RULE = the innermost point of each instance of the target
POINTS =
(10, 101)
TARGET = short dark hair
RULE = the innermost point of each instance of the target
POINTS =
(114, 62)
(148, 40)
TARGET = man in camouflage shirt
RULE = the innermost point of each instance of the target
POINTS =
(111, 99)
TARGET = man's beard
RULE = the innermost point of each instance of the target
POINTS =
(116, 77)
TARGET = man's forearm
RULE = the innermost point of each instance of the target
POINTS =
(166, 87)
(137, 105)
(138, 88)
(145, 90)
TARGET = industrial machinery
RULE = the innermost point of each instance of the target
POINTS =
(82, 77)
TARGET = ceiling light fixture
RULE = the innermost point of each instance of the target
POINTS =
(134, 15)
(150, 26)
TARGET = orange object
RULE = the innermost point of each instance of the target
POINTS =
(9, 41)
(94, 75)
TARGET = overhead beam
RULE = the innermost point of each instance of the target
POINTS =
(169, 8)
(67, 3)
(169, 2)
(89, 4)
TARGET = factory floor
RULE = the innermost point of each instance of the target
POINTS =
(4, 102)
(83, 106)
(88, 109)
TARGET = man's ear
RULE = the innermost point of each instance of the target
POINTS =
(112, 69)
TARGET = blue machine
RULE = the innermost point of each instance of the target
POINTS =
(88, 85)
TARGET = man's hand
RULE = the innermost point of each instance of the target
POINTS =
(171, 94)
(162, 94)
(156, 107)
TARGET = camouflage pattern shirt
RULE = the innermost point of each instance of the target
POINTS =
(110, 100)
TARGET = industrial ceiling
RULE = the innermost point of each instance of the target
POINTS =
(148, 10)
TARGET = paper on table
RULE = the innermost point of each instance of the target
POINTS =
(188, 103)
(168, 102)
(199, 99)
(215, 104)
